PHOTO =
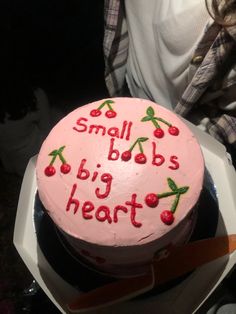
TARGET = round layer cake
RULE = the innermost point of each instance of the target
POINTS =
(121, 179)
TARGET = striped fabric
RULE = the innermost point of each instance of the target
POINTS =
(209, 100)
(116, 43)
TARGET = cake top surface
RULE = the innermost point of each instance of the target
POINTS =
(120, 172)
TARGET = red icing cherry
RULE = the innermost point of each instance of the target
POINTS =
(140, 158)
(126, 155)
(95, 112)
(167, 217)
(173, 130)
(151, 200)
(100, 260)
(50, 171)
(65, 168)
(159, 133)
(110, 114)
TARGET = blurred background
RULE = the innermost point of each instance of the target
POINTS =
(51, 61)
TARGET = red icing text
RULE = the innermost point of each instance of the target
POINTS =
(157, 159)
(104, 213)
(122, 132)
(84, 174)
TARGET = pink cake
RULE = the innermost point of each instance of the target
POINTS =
(121, 179)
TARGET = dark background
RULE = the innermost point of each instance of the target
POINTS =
(55, 45)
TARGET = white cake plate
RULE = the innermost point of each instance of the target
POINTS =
(184, 298)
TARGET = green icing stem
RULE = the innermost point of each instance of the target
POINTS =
(58, 153)
(53, 159)
(107, 102)
(61, 158)
(164, 121)
(177, 192)
(156, 124)
(176, 200)
(140, 147)
(166, 194)
(110, 107)
(102, 105)
(132, 147)
(175, 203)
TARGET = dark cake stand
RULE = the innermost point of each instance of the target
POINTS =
(62, 276)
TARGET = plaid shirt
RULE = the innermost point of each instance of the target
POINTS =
(209, 100)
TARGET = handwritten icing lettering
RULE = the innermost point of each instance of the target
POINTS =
(105, 178)
(84, 174)
(83, 127)
(113, 154)
(86, 208)
(119, 208)
(73, 201)
(141, 149)
(121, 132)
(104, 213)
(175, 163)
(134, 205)
(157, 159)
(97, 128)
(95, 174)
(114, 132)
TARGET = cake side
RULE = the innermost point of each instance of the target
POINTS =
(120, 173)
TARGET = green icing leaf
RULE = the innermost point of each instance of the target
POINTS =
(183, 190)
(53, 153)
(150, 111)
(147, 118)
(56, 152)
(172, 184)
(143, 139)
(106, 102)
(61, 149)
(109, 101)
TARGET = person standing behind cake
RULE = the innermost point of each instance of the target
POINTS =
(180, 54)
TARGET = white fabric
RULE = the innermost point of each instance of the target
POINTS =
(163, 35)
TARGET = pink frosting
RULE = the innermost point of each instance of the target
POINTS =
(97, 176)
